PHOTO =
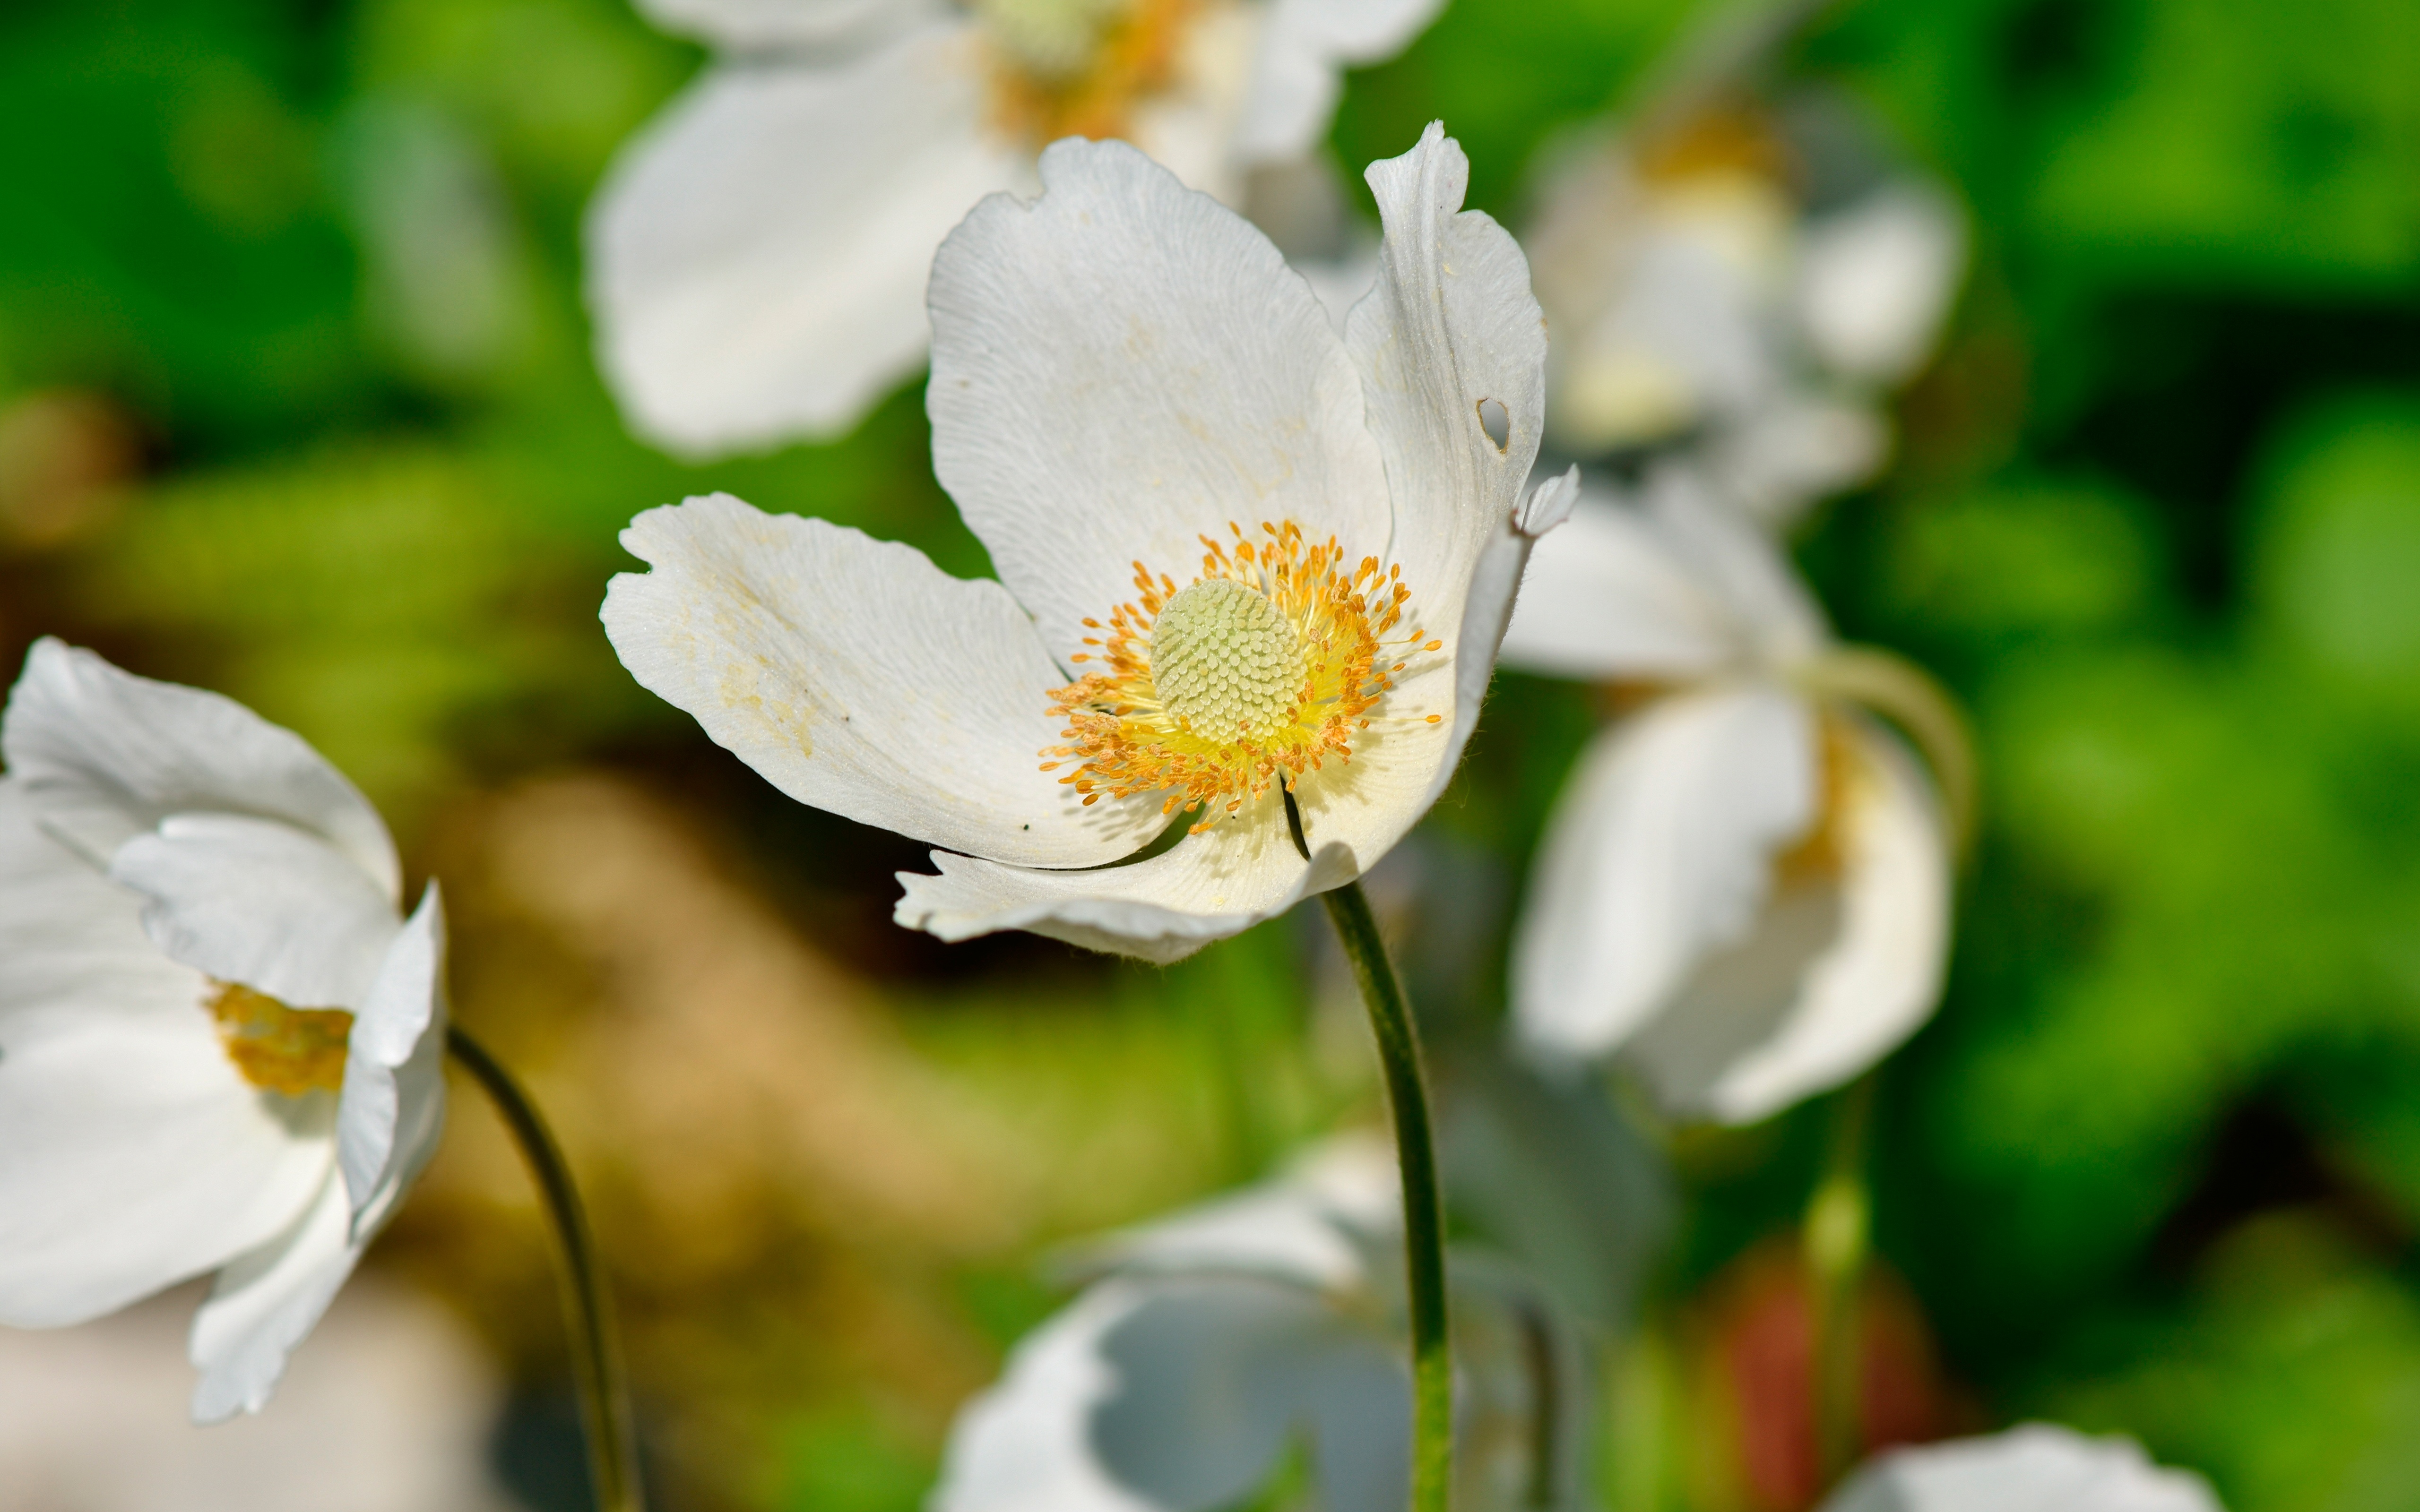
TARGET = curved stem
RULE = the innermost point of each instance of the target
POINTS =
(1836, 1236)
(1408, 1097)
(1910, 697)
(595, 1355)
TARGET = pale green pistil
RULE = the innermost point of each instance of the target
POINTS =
(1225, 662)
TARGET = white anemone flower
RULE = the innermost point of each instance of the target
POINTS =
(1745, 888)
(1240, 558)
(2036, 1467)
(1708, 280)
(757, 258)
(220, 1039)
(1222, 1338)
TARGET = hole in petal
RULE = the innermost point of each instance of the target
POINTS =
(1496, 421)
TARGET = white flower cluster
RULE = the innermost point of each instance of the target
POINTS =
(1253, 571)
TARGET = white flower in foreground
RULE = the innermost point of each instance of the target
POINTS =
(1222, 1339)
(1238, 555)
(756, 260)
(220, 1041)
(1746, 286)
(2039, 1467)
(1745, 887)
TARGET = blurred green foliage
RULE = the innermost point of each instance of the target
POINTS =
(2157, 1164)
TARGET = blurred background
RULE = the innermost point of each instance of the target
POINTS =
(296, 402)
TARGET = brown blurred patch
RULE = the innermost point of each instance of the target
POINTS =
(1751, 1367)
(780, 1184)
(67, 457)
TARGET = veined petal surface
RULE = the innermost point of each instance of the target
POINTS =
(107, 755)
(261, 902)
(858, 677)
(138, 1154)
(758, 255)
(1124, 366)
(1660, 850)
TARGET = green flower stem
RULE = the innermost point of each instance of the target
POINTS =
(596, 1355)
(1835, 1234)
(1408, 1096)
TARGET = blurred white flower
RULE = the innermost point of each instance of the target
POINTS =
(1725, 277)
(1237, 555)
(1745, 887)
(220, 1041)
(1225, 1337)
(757, 259)
(2038, 1467)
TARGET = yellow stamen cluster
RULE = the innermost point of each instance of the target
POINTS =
(1257, 672)
(282, 1049)
(1821, 854)
(1078, 68)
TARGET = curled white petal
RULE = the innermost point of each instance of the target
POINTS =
(1873, 982)
(107, 755)
(265, 1304)
(259, 902)
(1209, 887)
(393, 1101)
(1660, 851)
(136, 1155)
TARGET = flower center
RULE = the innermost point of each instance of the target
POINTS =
(1077, 68)
(282, 1049)
(1224, 660)
(1256, 672)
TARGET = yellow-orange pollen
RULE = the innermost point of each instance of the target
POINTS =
(1258, 671)
(282, 1049)
(1078, 68)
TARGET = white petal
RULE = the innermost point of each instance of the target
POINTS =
(261, 902)
(1607, 596)
(1786, 454)
(1450, 330)
(1124, 366)
(757, 258)
(108, 755)
(1304, 45)
(1875, 279)
(1659, 851)
(751, 24)
(858, 677)
(393, 1098)
(1306, 1226)
(265, 1304)
(1189, 125)
(1179, 1395)
(137, 1155)
(1881, 976)
(1208, 886)
(2038, 1467)
(1026, 1445)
